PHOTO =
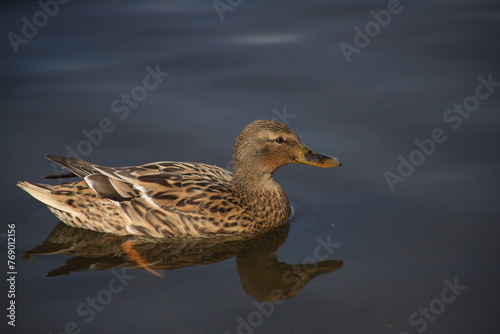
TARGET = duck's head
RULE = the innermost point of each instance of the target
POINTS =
(264, 146)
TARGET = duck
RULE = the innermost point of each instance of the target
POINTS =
(172, 199)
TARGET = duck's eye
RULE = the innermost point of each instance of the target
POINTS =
(280, 140)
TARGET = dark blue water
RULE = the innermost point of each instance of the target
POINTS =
(410, 105)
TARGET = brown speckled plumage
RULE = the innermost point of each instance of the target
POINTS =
(169, 199)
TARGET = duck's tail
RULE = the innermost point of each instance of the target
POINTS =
(79, 206)
(48, 195)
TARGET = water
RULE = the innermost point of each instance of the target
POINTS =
(400, 249)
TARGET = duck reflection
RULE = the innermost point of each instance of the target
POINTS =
(262, 275)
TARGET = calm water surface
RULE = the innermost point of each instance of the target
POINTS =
(418, 256)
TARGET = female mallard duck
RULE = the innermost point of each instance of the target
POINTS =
(169, 199)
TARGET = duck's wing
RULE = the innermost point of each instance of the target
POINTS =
(177, 194)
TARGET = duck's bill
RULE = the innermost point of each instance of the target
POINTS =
(309, 157)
